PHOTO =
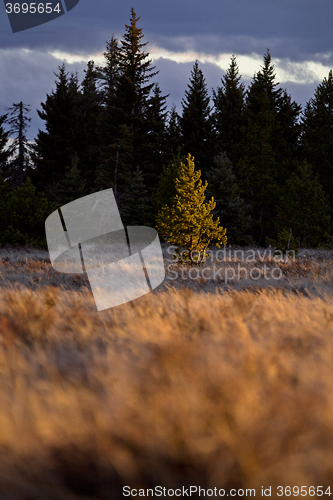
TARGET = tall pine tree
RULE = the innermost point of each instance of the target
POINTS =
(89, 117)
(134, 112)
(303, 210)
(133, 94)
(134, 206)
(156, 140)
(228, 116)
(195, 122)
(230, 208)
(115, 138)
(23, 215)
(19, 163)
(55, 147)
(173, 138)
(317, 134)
(268, 148)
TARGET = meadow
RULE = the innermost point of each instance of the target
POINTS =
(205, 381)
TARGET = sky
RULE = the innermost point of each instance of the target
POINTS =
(297, 32)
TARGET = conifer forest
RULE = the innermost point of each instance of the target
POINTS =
(267, 162)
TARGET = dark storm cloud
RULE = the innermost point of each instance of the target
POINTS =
(28, 77)
(298, 29)
(293, 30)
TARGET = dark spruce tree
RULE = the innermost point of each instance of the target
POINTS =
(109, 73)
(303, 211)
(71, 187)
(173, 138)
(89, 137)
(134, 113)
(317, 134)
(55, 147)
(228, 115)
(116, 143)
(268, 148)
(265, 96)
(230, 207)
(165, 189)
(133, 96)
(156, 141)
(16, 169)
(195, 122)
(24, 214)
(135, 206)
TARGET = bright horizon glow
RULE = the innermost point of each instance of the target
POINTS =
(286, 70)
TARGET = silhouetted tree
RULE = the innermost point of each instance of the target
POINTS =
(173, 137)
(56, 145)
(165, 189)
(130, 116)
(23, 216)
(268, 148)
(230, 207)
(17, 166)
(228, 116)
(135, 208)
(72, 186)
(156, 140)
(195, 122)
(317, 134)
(303, 211)
(89, 134)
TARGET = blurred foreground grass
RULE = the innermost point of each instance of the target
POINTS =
(226, 389)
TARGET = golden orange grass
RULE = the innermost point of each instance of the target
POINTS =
(175, 388)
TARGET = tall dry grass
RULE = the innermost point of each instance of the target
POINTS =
(226, 388)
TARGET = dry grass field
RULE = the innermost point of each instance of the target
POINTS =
(205, 381)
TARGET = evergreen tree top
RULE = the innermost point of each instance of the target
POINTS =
(232, 73)
(264, 80)
(88, 83)
(267, 72)
(232, 90)
(132, 55)
(323, 95)
(264, 92)
(62, 98)
(18, 120)
(173, 121)
(197, 93)
(64, 81)
(133, 34)
(62, 75)
(157, 107)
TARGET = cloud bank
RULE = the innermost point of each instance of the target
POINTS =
(297, 32)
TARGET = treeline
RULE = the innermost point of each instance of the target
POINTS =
(269, 165)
